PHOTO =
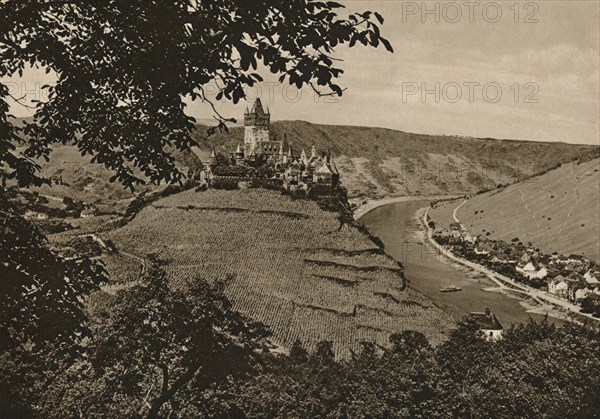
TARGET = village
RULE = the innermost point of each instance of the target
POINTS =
(573, 278)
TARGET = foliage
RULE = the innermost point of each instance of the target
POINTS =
(124, 67)
(41, 321)
(537, 370)
(154, 346)
(229, 170)
(591, 304)
(225, 184)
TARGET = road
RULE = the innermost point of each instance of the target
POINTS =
(376, 203)
(454, 213)
(502, 280)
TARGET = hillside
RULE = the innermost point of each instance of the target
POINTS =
(294, 268)
(558, 211)
(75, 177)
(373, 162)
(378, 161)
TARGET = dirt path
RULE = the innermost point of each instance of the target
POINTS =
(139, 260)
(455, 216)
(573, 207)
(531, 213)
(114, 288)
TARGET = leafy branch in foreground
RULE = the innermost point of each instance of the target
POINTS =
(123, 68)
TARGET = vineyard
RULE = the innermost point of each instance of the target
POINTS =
(294, 268)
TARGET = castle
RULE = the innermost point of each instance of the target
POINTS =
(261, 156)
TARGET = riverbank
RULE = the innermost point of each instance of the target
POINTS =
(364, 209)
(399, 226)
(551, 305)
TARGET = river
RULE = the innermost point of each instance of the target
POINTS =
(398, 226)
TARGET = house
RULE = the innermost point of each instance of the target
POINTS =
(88, 212)
(469, 238)
(480, 252)
(327, 173)
(581, 293)
(542, 273)
(531, 272)
(37, 215)
(591, 277)
(488, 324)
(455, 226)
(572, 265)
(558, 286)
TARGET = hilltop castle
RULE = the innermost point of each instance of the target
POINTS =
(261, 156)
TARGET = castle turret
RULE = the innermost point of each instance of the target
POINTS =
(239, 155)
(213, 157)
(303, 157)
(313, 152)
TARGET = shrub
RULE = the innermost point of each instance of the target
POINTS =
(272, 184)
(238, 171)
(225, 184)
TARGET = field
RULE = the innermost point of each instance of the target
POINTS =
(558, 211)
(294, 268)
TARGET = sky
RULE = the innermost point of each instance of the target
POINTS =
(526, 70)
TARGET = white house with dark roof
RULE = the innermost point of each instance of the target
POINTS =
(558, 286)
(488, 324)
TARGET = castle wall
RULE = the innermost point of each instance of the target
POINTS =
(254, 135)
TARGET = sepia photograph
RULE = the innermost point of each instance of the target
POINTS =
(299, 209)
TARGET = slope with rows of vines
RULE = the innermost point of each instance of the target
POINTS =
(294, 268)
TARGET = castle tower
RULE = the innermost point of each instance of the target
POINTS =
(213, 157)
(256, 128)
(239, 155)
(313, 152)
(303, 157)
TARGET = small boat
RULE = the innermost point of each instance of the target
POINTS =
(451, 289)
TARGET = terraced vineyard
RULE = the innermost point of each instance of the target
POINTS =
(294, 268)
(558, 211)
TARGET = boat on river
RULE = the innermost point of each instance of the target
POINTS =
(451, 288)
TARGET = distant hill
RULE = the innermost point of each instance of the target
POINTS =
(558, 211)
(374, 162)
(295, 269)
(75, 177)
(377, 162)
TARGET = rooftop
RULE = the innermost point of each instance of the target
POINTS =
(487, 320)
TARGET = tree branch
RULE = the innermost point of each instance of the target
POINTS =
(18, 100)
